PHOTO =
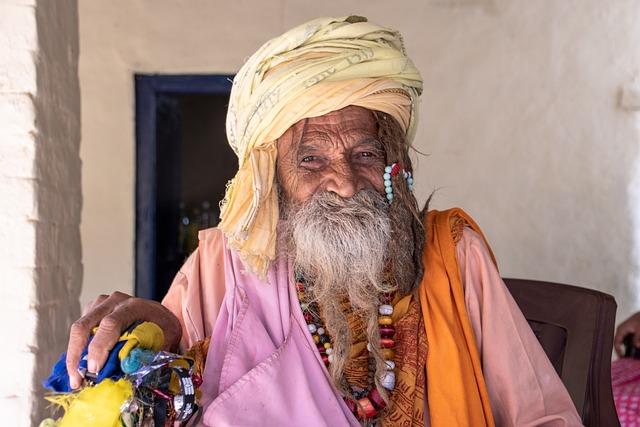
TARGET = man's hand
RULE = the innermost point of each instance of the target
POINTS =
(113, 314)
(631, 326)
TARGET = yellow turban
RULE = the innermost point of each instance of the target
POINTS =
(321, 66)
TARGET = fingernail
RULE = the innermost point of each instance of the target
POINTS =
(92, 366)
(74, 383)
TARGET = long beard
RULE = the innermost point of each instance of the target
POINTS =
(341, 248)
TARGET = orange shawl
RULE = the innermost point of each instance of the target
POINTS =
(456, 390)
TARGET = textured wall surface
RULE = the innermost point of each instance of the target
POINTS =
(40, 255)
(522, 120)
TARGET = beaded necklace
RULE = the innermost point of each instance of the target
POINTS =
(368, 403)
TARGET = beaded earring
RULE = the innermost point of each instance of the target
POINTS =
(409, 178)
(391, 171)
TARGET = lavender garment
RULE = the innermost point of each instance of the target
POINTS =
(263, 367)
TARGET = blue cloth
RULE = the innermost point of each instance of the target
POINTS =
(59, 378)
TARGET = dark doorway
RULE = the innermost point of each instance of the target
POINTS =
(183, 164)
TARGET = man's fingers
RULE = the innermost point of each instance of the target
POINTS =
(93, 304)
(113, 315)
(78, 337)
(107, 335)
(631, 326)
(103, 341)
(621, 332)
(81, 329)
(627, 328)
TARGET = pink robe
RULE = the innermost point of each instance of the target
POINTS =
(263, 367)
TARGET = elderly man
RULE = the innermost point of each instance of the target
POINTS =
(328, 297)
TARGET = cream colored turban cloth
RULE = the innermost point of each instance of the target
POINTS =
(311, 70)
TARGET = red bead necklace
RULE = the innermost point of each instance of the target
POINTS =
(368, 404)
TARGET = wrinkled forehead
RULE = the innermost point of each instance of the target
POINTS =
(351, 119)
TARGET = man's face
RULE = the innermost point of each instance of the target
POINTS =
(338, 152)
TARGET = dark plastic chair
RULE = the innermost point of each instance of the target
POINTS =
(575, 327)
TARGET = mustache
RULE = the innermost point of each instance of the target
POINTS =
(350, 226)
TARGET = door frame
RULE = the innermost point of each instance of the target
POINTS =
(147, 89)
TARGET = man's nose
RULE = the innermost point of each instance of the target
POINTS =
(343, 182)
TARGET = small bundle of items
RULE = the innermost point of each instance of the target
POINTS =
(139, 384)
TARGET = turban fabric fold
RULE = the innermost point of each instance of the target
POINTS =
(318, 67)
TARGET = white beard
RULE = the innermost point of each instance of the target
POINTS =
(340, 247)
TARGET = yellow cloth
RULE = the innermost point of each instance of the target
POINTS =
(98, 406)
(146, 335)
(456, 389)
(321, 66)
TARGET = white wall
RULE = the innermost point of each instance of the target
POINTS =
(520, 118)
(40, 256)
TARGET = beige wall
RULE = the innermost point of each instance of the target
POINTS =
(520, 119)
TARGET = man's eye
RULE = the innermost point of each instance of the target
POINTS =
(367, 155)
(311, 162)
